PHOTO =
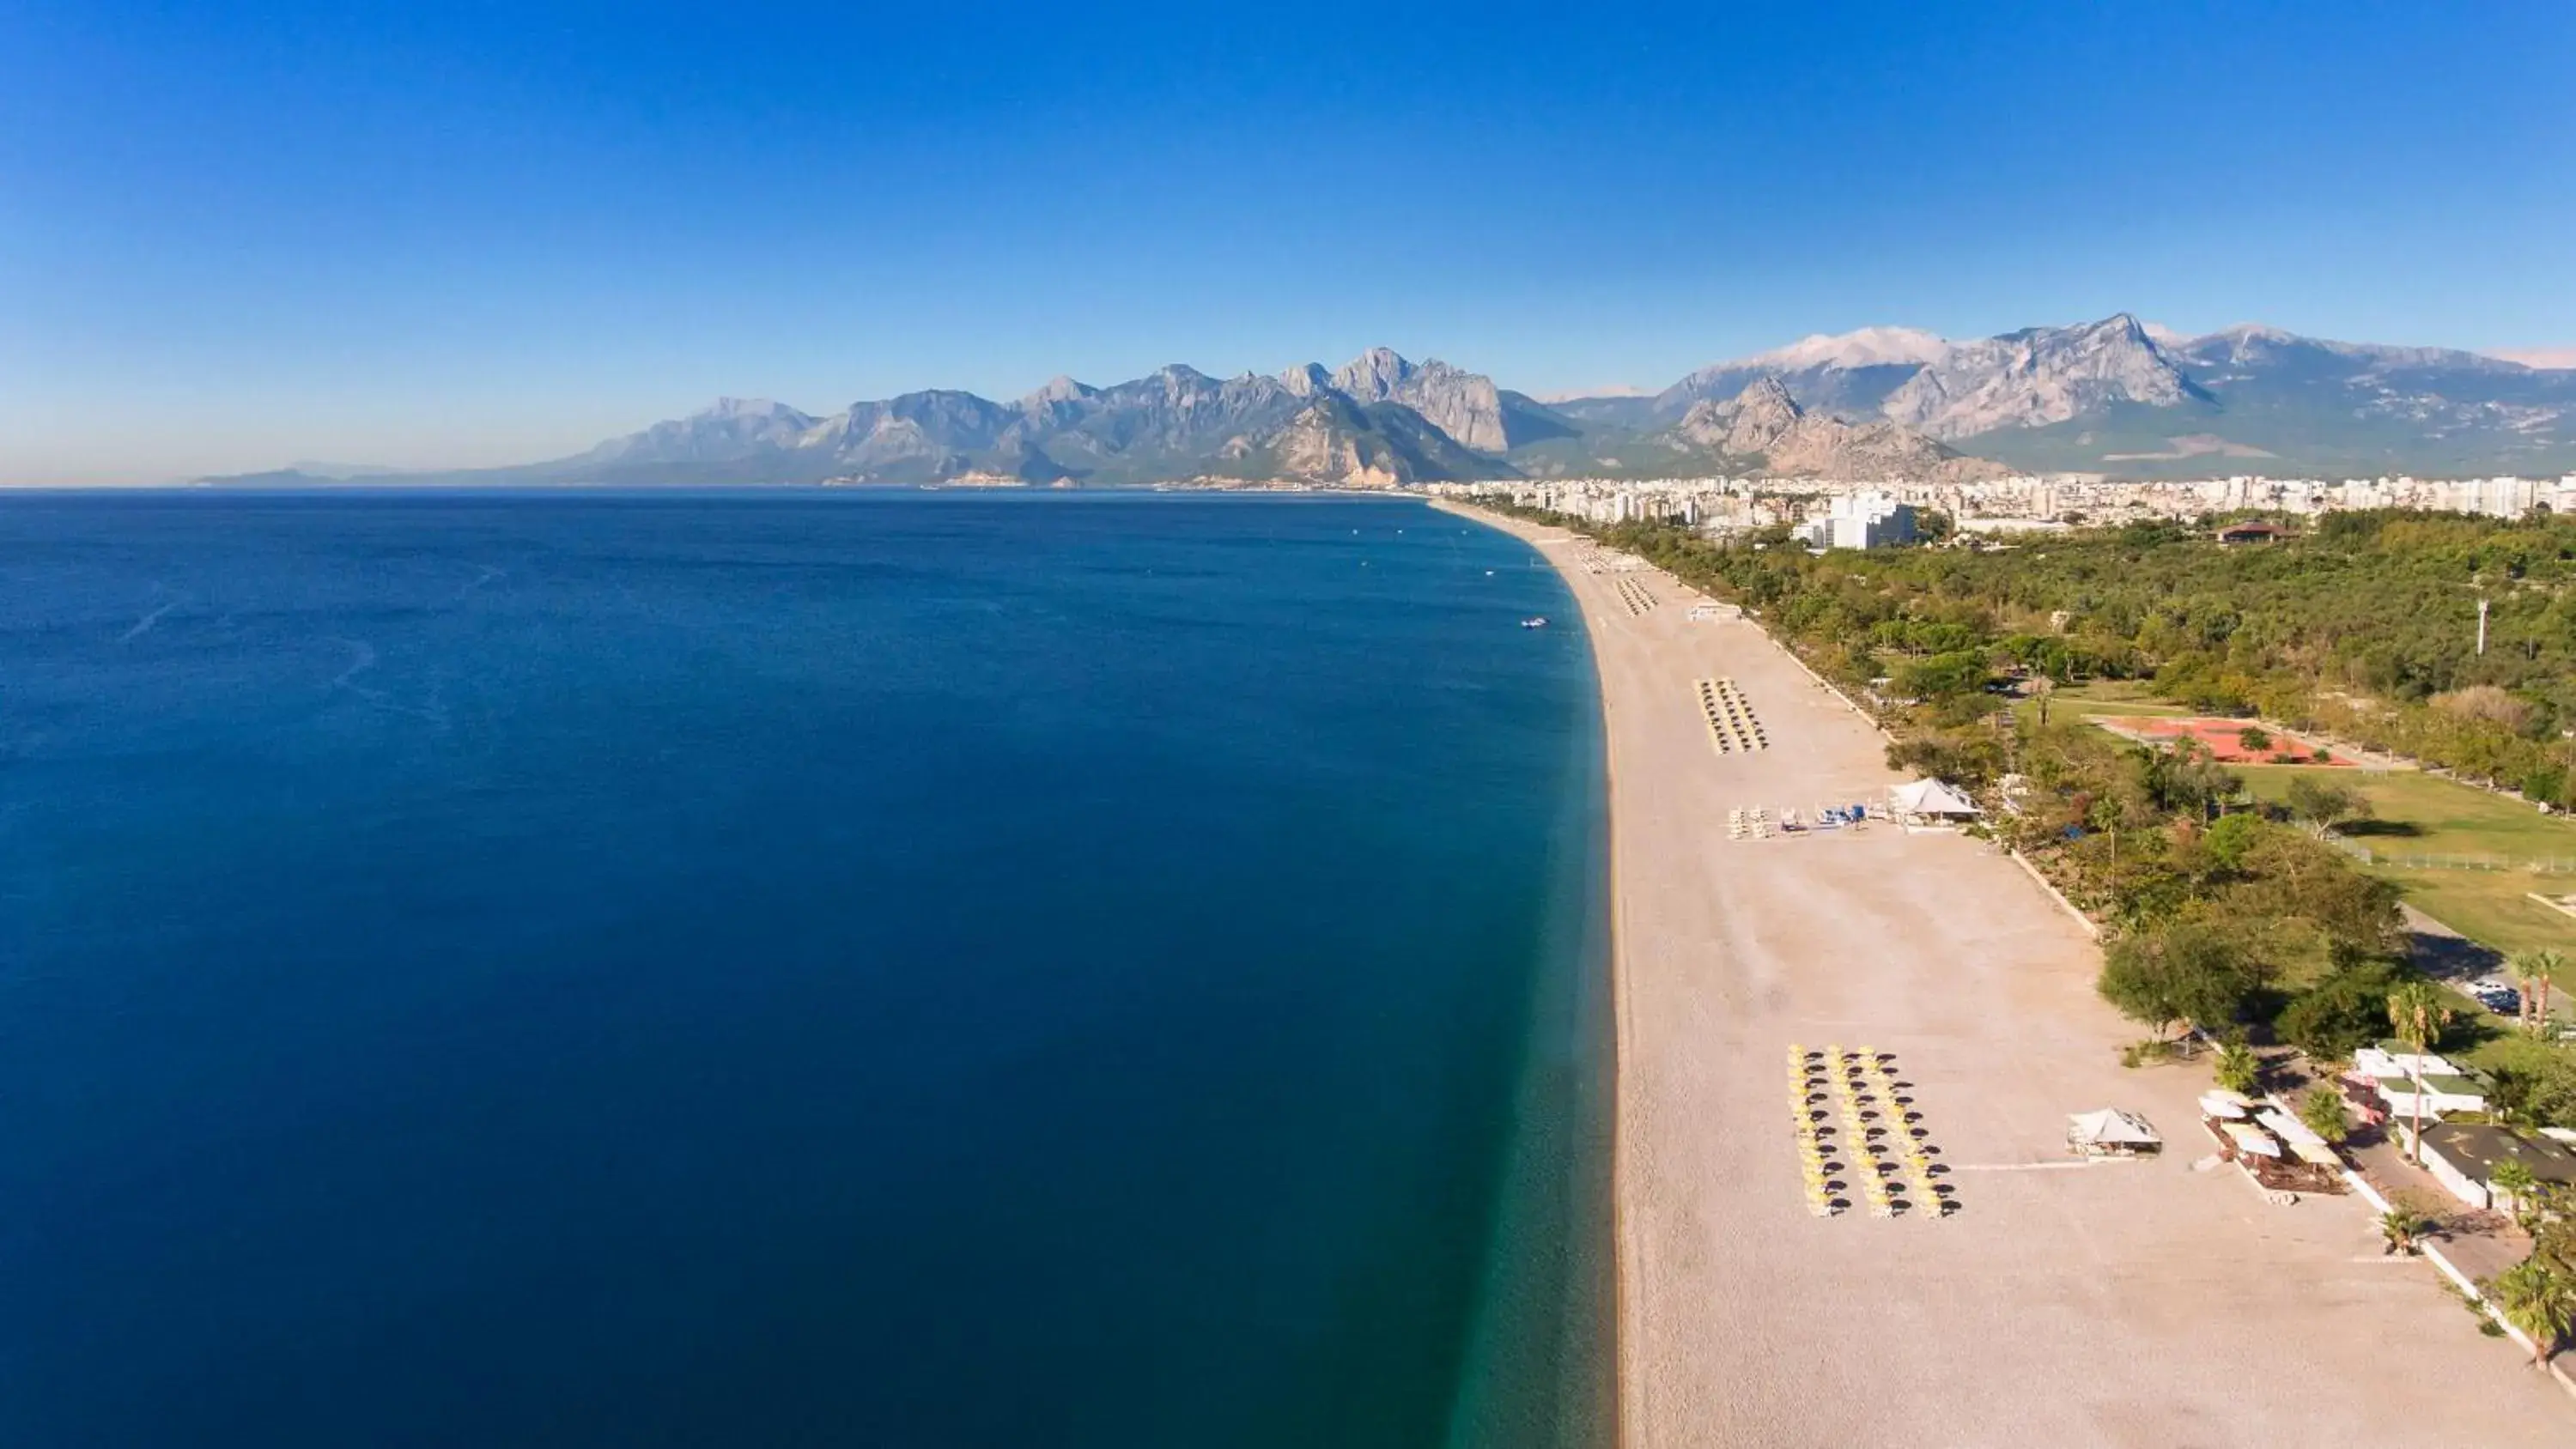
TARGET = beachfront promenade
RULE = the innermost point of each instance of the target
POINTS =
(2140, 1303)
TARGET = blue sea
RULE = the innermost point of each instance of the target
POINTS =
(794, 969)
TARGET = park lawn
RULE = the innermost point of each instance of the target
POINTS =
(2492, 908)
(2420, 814)
(2097, 697)
(2111, 696)
(2479, 1038)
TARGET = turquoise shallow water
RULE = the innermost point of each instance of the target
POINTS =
(795, 969)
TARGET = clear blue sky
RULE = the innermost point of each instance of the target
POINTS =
(231, 236)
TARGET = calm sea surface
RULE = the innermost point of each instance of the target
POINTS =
(795, 969)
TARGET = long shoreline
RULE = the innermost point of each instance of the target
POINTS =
(1622, 1241)
(2139, 1303)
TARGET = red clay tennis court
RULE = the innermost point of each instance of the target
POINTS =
(2223, 736)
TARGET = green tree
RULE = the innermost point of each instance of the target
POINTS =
(2187, 778)
(2515, 1181)
(2188, 971)
(2340, 1014)
(2322, 1112)
(1963, 760)
(2239, 1069)
(2534, 1083)
(2418, 1013)
(2289, 877)
(2539, 971)
(2402, 1230)
(2538, 1299)
(2546, 784)
(2231, 838)
(1944, 675)
(2321, 805)
(2254, 739)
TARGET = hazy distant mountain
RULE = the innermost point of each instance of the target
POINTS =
(2120, 396)
(2038, 376)
(1847, 375)
(2362, 405)
(1379, 420)
(317, 469)
(733, 428)
(1465, 405)
(1763, 429)
(2115, 396)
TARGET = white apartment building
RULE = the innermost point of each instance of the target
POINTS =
(1861, 520)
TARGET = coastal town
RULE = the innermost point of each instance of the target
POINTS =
(2023, 504)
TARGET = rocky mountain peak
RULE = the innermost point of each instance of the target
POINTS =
(1060, 388)
(1465, 405)
(1763, 426)
(755, 408)
(2039, 376)
(1306, 379)
(1374, 375)
(1746, 425)
(727, 429)
(1766, 397)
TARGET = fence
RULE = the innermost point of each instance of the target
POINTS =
(2453, 860)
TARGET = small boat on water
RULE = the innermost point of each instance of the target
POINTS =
(1536, 621)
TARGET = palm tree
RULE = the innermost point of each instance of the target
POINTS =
(2322, 1111)
(2539, 971)
(2515, 1181)
(2538, 1300)
(2418, 1013)
(2239, 1070)
(2400, 1228)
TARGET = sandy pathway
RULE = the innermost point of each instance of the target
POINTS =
(2129, 1304)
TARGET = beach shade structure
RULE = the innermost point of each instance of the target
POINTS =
(1931, 802)
(2251, 1140)
(2303, 1142)
(2111, 1132)
(2225, 1105)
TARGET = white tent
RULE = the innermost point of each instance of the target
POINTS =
(2303, 1142)
(2111, 1131)
(1932, 800)
(2220, 1102)
(2251, 1139)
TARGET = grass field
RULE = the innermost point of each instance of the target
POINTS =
(2418, 815)
(2421, 815)
(2102, 696)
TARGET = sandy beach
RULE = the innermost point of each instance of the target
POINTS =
(2142, 1303)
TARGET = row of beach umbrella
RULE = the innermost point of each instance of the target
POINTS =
(1862, 1091)
(1731, 725)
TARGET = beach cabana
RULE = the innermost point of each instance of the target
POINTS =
(2111, 1132)
(2222, 1103)
(2303, 1142)
(1931, 802)
(2250, 1139)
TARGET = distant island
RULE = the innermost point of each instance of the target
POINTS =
(2118, 397)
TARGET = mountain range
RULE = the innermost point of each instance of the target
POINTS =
(2116, 396)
